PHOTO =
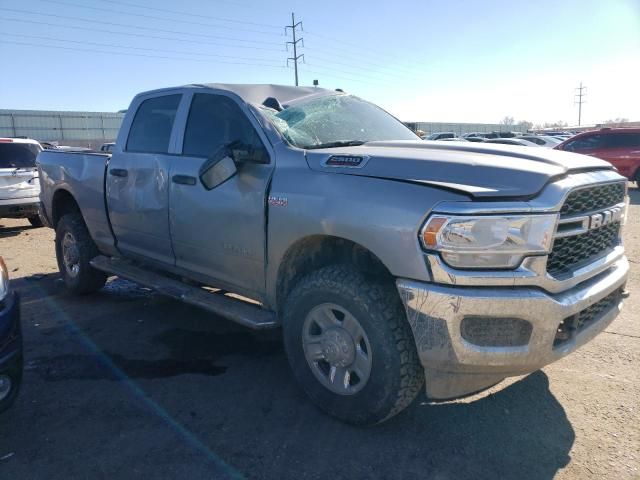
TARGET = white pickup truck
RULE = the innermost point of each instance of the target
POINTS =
(19, 186)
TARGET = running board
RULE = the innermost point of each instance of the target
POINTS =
(239, 311)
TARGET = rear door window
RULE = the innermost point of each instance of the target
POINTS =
(151, 128)
(18, 155)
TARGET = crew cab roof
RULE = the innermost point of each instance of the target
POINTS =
(256, 93)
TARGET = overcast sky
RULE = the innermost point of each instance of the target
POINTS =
(464, 61)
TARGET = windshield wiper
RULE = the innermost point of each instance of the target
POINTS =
(339, 143)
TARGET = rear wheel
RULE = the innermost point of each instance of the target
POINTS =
(35, 220)
(74, 251)
(350, 346)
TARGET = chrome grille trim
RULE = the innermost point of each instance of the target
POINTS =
(581, 221)
(581, 245)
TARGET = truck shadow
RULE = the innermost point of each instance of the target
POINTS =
(232, 390)
(14, 230)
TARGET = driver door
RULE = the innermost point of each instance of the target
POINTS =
(219, 234)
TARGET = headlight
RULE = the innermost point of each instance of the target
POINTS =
(4, 280)
(488, 241)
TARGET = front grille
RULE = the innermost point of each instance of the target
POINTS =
(593, 198)
(572, 325)
(569, 253)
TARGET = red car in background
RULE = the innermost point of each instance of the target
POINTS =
(619, 146)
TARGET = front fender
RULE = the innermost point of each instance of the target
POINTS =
(384, 216)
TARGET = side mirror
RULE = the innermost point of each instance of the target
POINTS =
(242, 153)
(218, 168)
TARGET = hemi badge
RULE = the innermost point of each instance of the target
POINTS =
(353, 161)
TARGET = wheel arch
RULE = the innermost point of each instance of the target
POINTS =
(62, 203)
(316, 251)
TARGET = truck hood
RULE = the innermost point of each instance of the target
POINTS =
(478, 170)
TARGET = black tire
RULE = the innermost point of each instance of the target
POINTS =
(15, 373)
(87, 279)
(396, 375)
(35, 221)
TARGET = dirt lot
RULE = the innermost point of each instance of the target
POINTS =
(127, 384)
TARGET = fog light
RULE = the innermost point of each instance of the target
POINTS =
(496, 332)
(5, 386)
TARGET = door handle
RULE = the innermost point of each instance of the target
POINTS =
(184, 179)
(118, 172)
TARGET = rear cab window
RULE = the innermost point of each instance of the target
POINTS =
(151, 128)
(18, 155)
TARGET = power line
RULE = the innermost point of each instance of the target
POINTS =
(362, 52)
(580, 95)
(187, 14)
(342, 77)
(358, 58)
(137, 54)
(341, 74)
(175, 32)
(129, 47)
(295, 42)
(350, 66)
(141, 35)
(153, 17)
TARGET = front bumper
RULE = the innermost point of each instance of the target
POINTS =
(455, 366)
(19, 207)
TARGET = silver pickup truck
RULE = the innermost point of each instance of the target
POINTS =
(386, 260)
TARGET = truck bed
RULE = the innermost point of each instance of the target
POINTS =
(82, 175)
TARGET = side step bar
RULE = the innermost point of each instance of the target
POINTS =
(244, 313)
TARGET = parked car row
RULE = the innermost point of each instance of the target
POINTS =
(619, 146)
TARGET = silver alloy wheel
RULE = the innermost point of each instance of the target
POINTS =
(337, 349)
(5, 386)
(70, 254)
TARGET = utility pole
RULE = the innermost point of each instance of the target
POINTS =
(295, 41)
(580, 95)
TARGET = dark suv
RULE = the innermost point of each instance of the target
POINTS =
(619, 146)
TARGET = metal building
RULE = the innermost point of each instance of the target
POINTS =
(80, 129)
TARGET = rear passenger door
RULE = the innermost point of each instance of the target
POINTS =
(219, 234)
(137, 179)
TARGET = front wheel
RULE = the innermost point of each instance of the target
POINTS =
(74, 250)
(350, 346)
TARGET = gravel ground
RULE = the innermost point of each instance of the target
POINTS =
(127, 384)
